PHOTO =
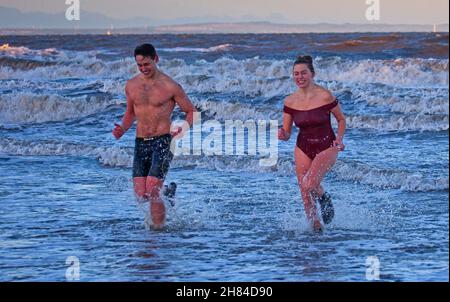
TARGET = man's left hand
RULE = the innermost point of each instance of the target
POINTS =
(176, 132)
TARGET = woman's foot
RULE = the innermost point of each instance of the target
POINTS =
(326, 208)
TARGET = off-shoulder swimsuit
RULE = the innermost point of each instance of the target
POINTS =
(316, 133)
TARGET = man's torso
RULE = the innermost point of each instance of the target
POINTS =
(153, 105)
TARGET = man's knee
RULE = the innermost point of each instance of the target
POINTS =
(141, 195)
(153, 187)
(139, 188)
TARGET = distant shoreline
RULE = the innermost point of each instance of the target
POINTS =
(234, 28)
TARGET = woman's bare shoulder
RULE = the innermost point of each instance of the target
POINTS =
(291, 100)
(325, 95)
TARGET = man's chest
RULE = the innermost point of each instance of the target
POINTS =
(151, 96)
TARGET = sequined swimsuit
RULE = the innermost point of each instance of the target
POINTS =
(316, 133)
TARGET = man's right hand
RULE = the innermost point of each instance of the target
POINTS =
(118, 131)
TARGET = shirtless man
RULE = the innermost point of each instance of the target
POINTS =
(151, 99)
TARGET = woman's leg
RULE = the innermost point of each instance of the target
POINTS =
(321, 164)
(302, 166)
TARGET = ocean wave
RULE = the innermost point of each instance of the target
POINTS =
(108, 156)
(436, 46)
(388, 178)
(25, 108)
(419, 122)
(222, 47)
(422, 106)
(21, 51)
(409, 72)
(255, 77)
(411, 122)
(235, 111)
(361, 40)
(252, 76)
(23, 64)
(438, 38)
(383, 178)
(87, 67)
(404, 100)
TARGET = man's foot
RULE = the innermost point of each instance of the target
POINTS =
(317, 227)
(169, 192)
(326, 208)
(149, 225)
(157, 227)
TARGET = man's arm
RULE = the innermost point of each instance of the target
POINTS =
(128, 118)
(185, 104)
(187, 107)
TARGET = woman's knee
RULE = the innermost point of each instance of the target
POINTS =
(308, 184)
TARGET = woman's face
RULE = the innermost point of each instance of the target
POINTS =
(302, 75)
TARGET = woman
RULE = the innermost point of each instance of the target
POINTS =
(317, 146)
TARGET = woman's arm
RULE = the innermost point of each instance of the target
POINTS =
(284, 133)
(340, 118)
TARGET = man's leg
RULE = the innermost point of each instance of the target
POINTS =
(157, 210)
(161, 158)
(141, 166)
(139, 189)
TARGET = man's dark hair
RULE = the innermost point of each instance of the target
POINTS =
(145, 50)
(308, 60)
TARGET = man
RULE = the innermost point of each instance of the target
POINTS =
(151, 98)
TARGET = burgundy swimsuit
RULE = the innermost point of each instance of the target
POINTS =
(316, 133)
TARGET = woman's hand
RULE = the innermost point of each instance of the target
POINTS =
(283, 135)
(339, 145)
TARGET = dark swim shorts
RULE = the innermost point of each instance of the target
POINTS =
(152, 156)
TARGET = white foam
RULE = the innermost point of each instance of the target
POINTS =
(420, 122)
(411, 122)
(234, 110)
(73, 64)
(36, 108)
(428, 105)
(221, 47)
(400, 100)
(389, 179)
(253, 77)
(108, 156)
(410, 72)
(345, 170)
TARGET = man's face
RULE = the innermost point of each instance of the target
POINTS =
(146, 65)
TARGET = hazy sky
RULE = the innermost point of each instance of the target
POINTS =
(281, 11)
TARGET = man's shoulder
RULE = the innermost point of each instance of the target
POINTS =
(133, 81)
(169, 83)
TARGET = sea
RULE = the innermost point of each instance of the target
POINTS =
(67, 206)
